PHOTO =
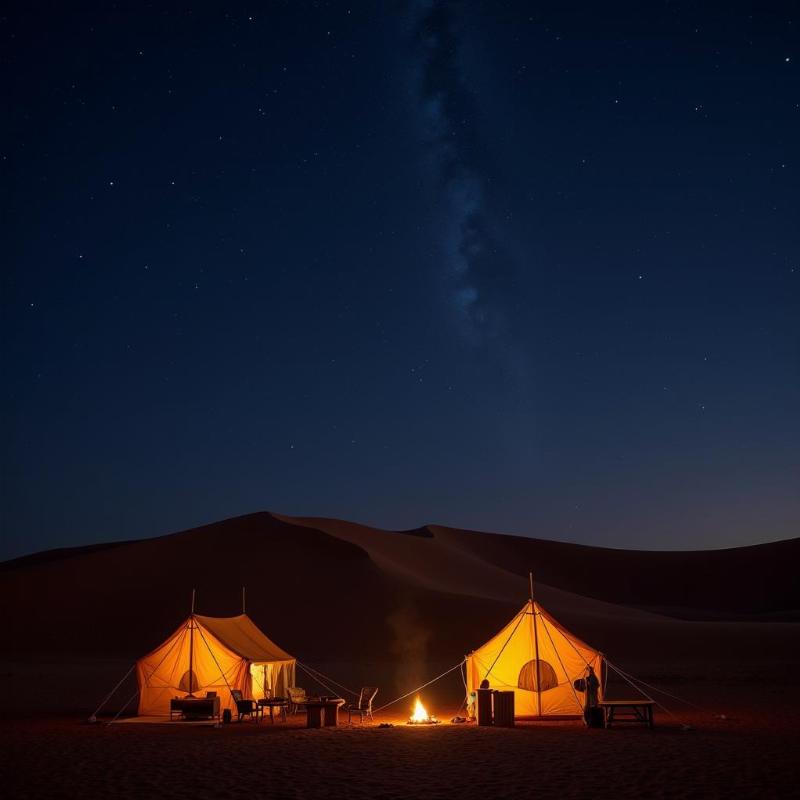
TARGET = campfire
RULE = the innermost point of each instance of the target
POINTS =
(420, 715)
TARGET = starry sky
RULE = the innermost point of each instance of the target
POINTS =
(521, 267)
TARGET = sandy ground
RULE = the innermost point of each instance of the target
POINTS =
(750, 754)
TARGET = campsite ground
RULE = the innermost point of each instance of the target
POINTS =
(750, 754)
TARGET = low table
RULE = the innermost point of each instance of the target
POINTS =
(272, 703)
(322, 712)
(627, 711)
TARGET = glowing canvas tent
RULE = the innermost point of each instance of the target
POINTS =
(213, 654)
(539, 660)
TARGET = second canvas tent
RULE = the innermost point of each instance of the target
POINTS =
(539, 660)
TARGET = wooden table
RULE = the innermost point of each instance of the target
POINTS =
(322, 712)
(272, 703)
(627, 711)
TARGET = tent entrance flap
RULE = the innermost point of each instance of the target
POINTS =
(271, 679)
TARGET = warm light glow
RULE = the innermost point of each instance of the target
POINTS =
(420, 714)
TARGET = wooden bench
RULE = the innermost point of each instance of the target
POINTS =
(627, 711)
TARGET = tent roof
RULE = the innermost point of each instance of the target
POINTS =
(505, 633)
(242, 636)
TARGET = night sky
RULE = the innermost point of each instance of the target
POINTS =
(521, 267)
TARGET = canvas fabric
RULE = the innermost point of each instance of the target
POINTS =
(503, 659)
(226, 653)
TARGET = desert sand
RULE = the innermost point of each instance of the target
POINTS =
(719, 628)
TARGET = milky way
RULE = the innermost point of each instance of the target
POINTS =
(477, 274)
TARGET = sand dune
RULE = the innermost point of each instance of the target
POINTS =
(397, 605)
(741, 582)
(424, 559)
(752, 583)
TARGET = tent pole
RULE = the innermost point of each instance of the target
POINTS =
(191, 648)
(536, 650)
(191, 655)
(243, 607)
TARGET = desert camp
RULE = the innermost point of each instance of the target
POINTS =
(212, 668)
(533, 668)
(397, 663)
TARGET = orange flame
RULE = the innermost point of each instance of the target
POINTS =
(420, 714)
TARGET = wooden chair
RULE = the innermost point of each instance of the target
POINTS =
(244, 708)
(297, 697)
(364, 705)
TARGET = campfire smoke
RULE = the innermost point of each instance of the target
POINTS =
(410, 645)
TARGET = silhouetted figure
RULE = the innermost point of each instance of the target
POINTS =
(591, 712)
(592, 687)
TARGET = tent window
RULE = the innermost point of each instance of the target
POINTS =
(527, 676)
(184, 684)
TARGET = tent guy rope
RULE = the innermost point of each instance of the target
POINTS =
(624, 674)
(93, 717)
(318, 680)
(419, 688)
(119, 713)
(315, 672)
(147, 679)
(639, 689)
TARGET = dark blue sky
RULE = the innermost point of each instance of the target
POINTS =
(512, 266)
